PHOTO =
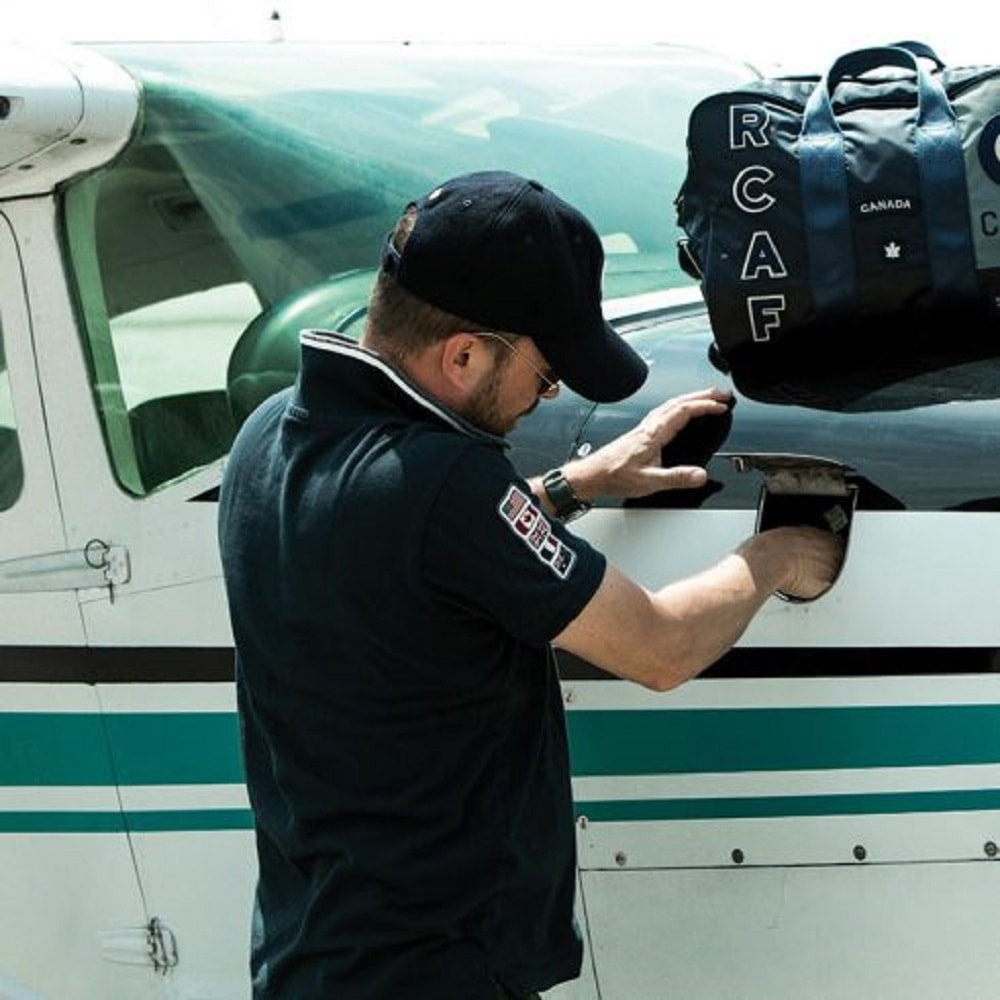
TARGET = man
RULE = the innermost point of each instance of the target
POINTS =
(396, 589)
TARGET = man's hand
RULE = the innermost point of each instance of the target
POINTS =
(806, 560)
(629, 466)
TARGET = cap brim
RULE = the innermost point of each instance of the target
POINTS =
(602, 368)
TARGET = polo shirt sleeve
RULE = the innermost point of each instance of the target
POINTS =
(489, 546)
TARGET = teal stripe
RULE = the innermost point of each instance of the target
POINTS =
(606, 811)
(49, 748)
(203, 747)
(150, 748)
(194, 748)
(688, 741)
(61, 822)
(165, 820)
(153, 821)
(784, 806)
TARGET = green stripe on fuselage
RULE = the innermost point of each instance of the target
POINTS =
(136, 748)
(786, 806)
(179, 748)
(698, 741)
(152, 821)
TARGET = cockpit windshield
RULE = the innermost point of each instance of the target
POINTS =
(262, 171)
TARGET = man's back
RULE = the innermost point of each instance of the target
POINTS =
(402, 724)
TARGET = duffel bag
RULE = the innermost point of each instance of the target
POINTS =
(865, 202)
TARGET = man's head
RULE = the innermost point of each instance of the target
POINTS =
(494, 253)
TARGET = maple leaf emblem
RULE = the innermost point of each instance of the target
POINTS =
(892, 250)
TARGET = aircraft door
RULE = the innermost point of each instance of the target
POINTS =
(70, 899)
(141, 424)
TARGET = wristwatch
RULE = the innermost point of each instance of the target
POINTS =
(567, 504)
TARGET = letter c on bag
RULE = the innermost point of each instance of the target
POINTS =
(989, 149)
(748, 189)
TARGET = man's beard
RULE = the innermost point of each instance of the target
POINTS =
(485, 412)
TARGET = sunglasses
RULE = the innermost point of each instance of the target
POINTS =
(547, 385)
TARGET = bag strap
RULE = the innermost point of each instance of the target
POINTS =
(922, 50)
(938, 150)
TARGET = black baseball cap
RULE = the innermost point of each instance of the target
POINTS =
(506, 253)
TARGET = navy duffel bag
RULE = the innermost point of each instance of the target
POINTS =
(863, 202)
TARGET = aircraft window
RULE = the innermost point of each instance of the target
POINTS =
(163, 303)
(285, 178)
(11, 472)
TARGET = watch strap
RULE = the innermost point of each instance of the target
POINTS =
(566, 503)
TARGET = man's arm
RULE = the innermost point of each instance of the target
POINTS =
(661, 639)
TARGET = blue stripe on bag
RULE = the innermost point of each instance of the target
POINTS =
(825, 202)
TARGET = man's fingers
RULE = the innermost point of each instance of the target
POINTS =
(666, 422)
(679, 477)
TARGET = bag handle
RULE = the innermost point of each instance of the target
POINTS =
(933, 106)
(922, 50)
(941, 165)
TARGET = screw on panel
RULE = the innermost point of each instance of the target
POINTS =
(584, 450)
(859, 852)
(582, 822)
(990, 848)
(621, 859)
(568, 695)
(737, 856)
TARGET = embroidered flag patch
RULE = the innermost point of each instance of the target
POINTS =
(533, 528)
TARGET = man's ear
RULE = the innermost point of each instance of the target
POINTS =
(463, 360)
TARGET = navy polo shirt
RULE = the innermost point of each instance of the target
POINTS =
(393, 589)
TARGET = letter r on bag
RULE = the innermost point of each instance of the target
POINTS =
(747, 125)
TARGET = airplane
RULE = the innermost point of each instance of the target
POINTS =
(816, 816)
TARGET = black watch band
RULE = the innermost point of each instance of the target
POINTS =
(567, 504)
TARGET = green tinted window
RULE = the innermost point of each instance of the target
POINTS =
(11, 472)
(264, 178)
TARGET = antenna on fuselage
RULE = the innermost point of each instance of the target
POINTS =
(277, 29)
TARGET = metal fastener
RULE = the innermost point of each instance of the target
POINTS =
(990, 848)
(621, 859)
(737, 856)
(859, 852)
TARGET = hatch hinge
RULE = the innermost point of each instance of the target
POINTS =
(808, 475)
(154, 945)
(97, 564)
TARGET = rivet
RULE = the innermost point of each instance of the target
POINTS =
(582, 822)
(737, 856)
(568, 696)
(859, 852)
(621, 859)
(990, 848)
(584, 450)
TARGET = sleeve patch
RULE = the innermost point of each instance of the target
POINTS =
(529, 524)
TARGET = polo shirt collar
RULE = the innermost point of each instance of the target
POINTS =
(391, 380)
